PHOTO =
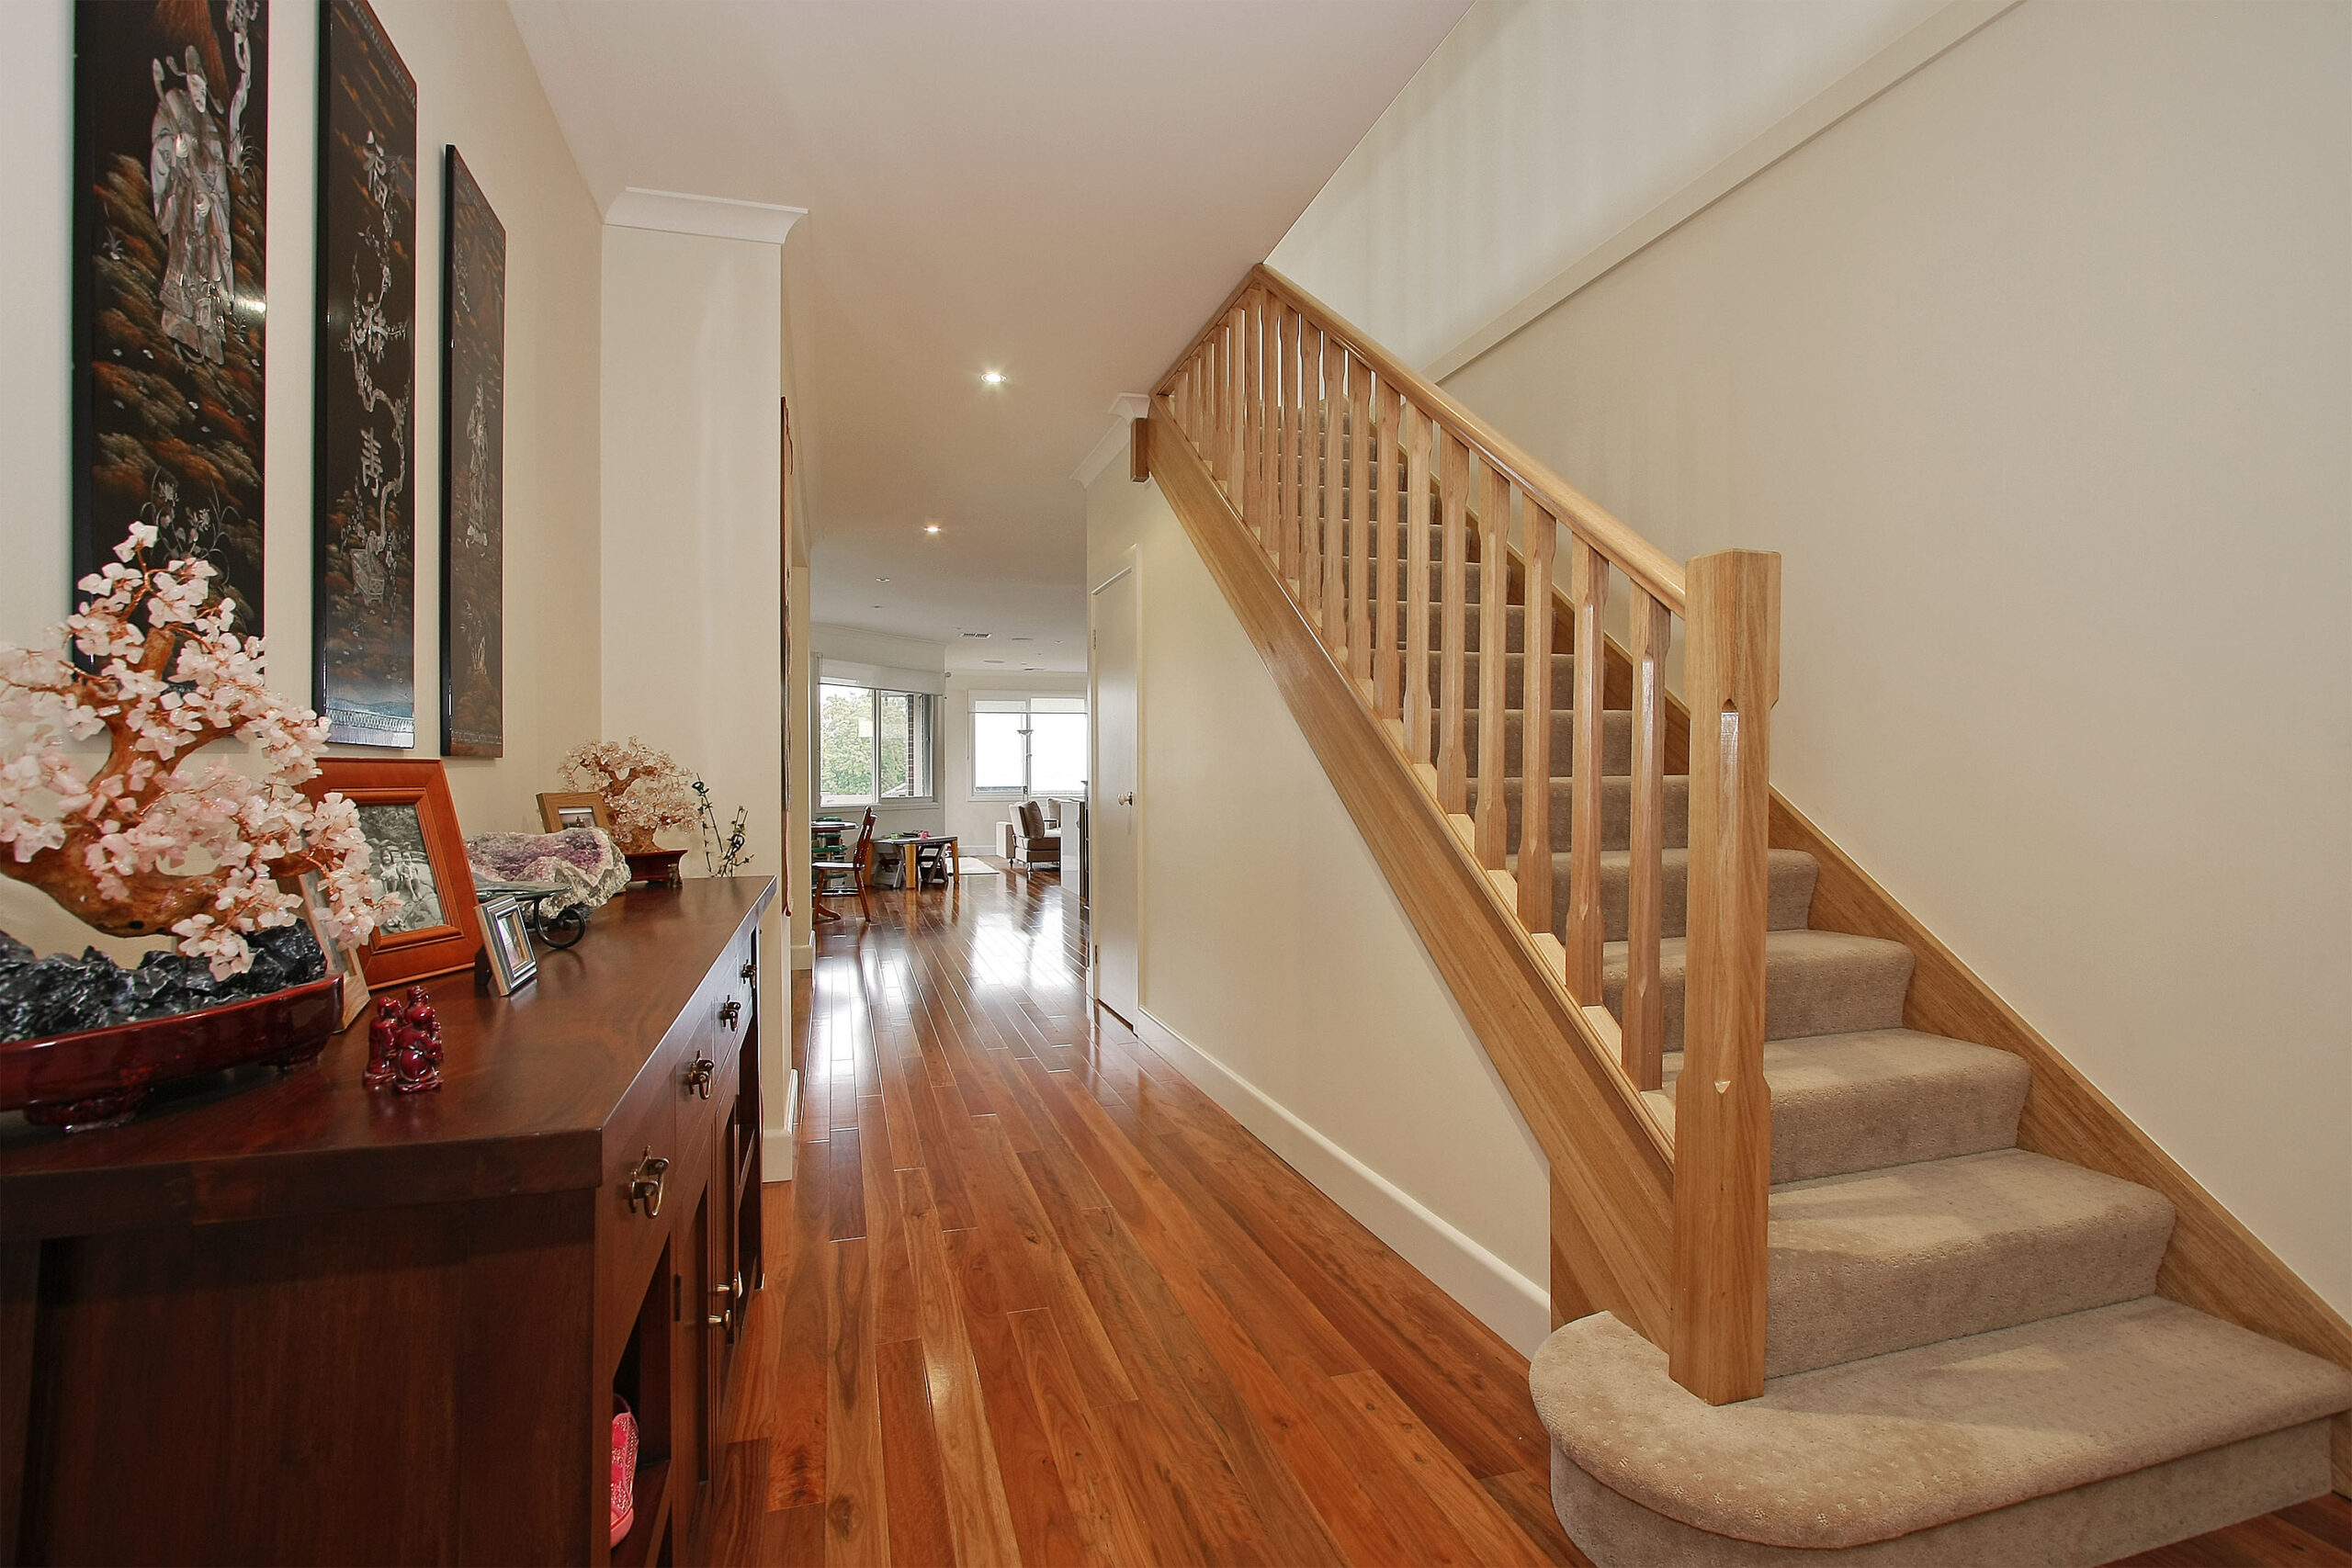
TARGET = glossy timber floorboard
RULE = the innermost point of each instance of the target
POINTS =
(1032, 1297)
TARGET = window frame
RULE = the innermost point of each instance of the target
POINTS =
(980, 703)
(874, 797)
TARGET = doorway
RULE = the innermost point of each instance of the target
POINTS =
(1115, 902)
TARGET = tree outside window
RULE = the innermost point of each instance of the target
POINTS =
(871, 746)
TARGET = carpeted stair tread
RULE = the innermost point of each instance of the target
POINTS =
(1882, 1261)
(1814, 983)
(1787, 903)
(1882, 1097)
(1871, 1449)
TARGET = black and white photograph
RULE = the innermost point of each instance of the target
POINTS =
(400, 861)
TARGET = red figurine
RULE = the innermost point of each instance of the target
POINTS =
(405, 1044)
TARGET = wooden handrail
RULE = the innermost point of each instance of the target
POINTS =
(1285, 427)
(1656, 571)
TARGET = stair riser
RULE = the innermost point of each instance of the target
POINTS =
(1800, 999)
(1616, 741)
(1918, 1098)
(1788, 905)
(1854, 1286)
(1564, 670)
(1616, 811)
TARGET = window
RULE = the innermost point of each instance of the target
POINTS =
(1029, 746)
(873, 746)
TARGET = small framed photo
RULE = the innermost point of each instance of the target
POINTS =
(508, 960)
(574, 808)
(343, 959)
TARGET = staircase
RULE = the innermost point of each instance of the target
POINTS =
(1829, 1305)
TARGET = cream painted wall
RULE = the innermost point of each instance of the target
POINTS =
(2038, 370)
(1539, 129)
(476, 89)
(1271, 946)
(861, 647)
(691, 622)
(973, 819)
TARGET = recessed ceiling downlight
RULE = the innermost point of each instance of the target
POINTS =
(994, 377)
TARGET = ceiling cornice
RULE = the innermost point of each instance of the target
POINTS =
(718, 217)
(1125, 408)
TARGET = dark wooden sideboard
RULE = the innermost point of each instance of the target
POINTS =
(296, 1320)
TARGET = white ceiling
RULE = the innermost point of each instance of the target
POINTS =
(1058, 189)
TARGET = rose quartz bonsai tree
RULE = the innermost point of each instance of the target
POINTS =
(644, 789)
(149, 842)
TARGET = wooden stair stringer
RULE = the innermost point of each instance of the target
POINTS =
(1611, 1167)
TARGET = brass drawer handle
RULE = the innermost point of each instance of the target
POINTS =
(645, 1185)
(729, 1010)
(734, 1292)
(698, 1077)
(721, 1319)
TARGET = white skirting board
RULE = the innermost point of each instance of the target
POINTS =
(1497, 1294)
(779, 1146)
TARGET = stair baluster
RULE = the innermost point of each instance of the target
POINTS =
(1644, 1023)
(1453, 501)
(1324, 598)
(1589, 596)
(1418, 743)
(1494, 595)
(1542, 534)
(1386, 540)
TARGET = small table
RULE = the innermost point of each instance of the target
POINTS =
(936, 861)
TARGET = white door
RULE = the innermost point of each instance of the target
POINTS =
(1113, 815)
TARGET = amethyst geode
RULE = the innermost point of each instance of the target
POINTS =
(64, 994)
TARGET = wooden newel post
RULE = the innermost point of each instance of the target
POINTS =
(1723, 1113)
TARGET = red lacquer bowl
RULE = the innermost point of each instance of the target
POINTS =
(99, 1077)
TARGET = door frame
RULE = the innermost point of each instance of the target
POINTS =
(1127, 563)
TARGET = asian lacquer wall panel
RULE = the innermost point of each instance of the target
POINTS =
(473, 471)
(171, 102)
(364, 490)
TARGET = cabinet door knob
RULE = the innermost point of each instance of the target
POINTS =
(729, 1010)
(750, 968)
(721, 1319)
(645, 1184)
(698, 1077)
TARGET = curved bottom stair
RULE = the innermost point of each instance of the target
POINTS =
(2073, 1439)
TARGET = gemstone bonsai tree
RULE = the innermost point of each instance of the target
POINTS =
(646, 791)
(150, 843)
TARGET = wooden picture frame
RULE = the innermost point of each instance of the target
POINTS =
(343, 959)
(418, 851)
(557, 806)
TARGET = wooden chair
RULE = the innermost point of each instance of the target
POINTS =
(853, 868)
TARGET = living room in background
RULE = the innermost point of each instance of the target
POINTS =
(873, 745)
(1028, 746)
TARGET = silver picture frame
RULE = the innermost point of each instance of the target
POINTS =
(508, 960)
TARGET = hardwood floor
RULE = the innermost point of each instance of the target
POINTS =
(1032, 1297)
